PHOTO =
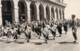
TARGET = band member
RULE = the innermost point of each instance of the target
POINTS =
(45, 32)
(39, 30)
(5, 31)
(15, 33)
(53, 30)
(74, 29)
(59, 27)
(28, 32)
(65, 27)
(36, 27)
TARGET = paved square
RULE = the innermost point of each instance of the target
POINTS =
(63, 43)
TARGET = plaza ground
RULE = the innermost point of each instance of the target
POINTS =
(64, 43)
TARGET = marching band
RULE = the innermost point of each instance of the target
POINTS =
(40, 28)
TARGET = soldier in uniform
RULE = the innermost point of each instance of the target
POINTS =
(74, 28)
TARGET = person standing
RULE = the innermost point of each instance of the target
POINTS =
(74, 29)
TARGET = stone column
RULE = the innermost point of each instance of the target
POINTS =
(16, 13)
(45, 12)
(28, 11)
(0, 13)
(50, 12)
(37, 7)
(55, 15)
(58, 14)
(61, 15)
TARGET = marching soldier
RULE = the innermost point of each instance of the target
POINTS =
(65, 27)
(59, 27)
(74, 29)
(45, 32)
(53, 30)
(28, 32)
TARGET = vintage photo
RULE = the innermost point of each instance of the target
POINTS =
(39, 25)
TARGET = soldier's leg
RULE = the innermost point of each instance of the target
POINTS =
(29, 36)
(60, 32)
(26, 35)
(75, 36)
(54, 35)
(45, 38)
(15, 36)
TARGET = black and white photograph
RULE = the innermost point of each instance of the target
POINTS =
(39, 25)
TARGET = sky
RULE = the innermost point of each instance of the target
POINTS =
(72, 7)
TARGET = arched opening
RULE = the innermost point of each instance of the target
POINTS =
(41, 12)
(22, 11)
(56, 13)
(7, 11)
(47, 13)
(52, 13)
(33, 10)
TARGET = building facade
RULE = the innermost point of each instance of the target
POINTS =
(31, 10)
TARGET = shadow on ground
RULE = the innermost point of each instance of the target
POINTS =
(67, 42)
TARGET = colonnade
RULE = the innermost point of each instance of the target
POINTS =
(31, 11)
